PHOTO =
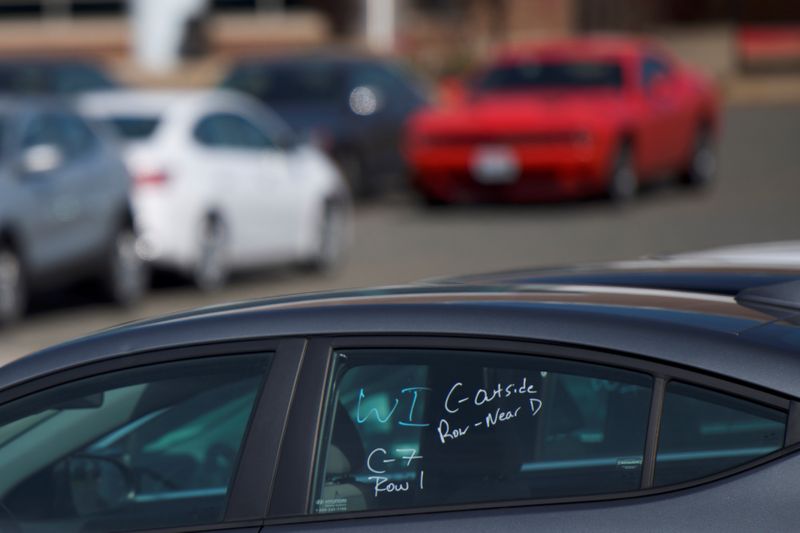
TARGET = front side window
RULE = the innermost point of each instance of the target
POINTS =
(704, 432)
(43, 129)
(154, 446)
(78, 138)
(416, 428)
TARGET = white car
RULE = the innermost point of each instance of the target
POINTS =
(221, 184)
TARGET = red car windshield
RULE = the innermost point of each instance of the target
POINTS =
(551, 75)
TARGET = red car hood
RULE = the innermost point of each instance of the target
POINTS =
(508, 113)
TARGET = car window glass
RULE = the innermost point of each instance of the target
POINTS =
(154, 446)
(420, 428)
(704, 432)
(303, 81)
(226, 130)
(78, 139)
(76, 78)
(23, 79)
(135, 128)
(551, 75)
(652, 69)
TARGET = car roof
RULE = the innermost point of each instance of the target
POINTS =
(704, 331)
(724, 270)
(148, 102)
(12, 104)
(46, 61)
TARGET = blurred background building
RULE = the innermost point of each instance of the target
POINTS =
(750, 47)
(161, 42)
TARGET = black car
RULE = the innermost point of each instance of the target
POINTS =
(62, 76)
(439, 407)
(354, 106)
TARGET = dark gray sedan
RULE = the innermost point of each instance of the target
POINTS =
(439, 407)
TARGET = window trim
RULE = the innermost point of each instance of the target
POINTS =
(297, 462)
(250, 488)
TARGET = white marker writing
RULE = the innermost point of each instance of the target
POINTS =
(445, 433)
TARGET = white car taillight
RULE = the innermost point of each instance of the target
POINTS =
(158, 177)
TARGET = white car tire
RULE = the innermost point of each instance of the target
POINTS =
(211, 269)
(332, 237)
(127, 275)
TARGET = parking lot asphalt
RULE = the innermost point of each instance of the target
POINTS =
(397, 240)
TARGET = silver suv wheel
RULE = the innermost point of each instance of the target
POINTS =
(211, 269)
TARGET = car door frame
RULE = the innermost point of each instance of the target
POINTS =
(249, 496)
(292, 486)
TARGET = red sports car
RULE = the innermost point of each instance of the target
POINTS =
(564, 120)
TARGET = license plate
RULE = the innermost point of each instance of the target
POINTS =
(495, 165)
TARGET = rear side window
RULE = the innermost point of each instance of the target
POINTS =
(705, 432)
(227, 130)
(149, 447)
(422, 428)
(311, 81)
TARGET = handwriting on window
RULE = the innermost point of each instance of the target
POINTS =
(401, 469)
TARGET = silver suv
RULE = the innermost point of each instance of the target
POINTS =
(64, 210)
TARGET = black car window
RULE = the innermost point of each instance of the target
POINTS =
(149, 447)
(705, 432)
(23, 79)
(227, 130)
(552, 75)
(74, 78)
(303, 81)
(414, 428)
